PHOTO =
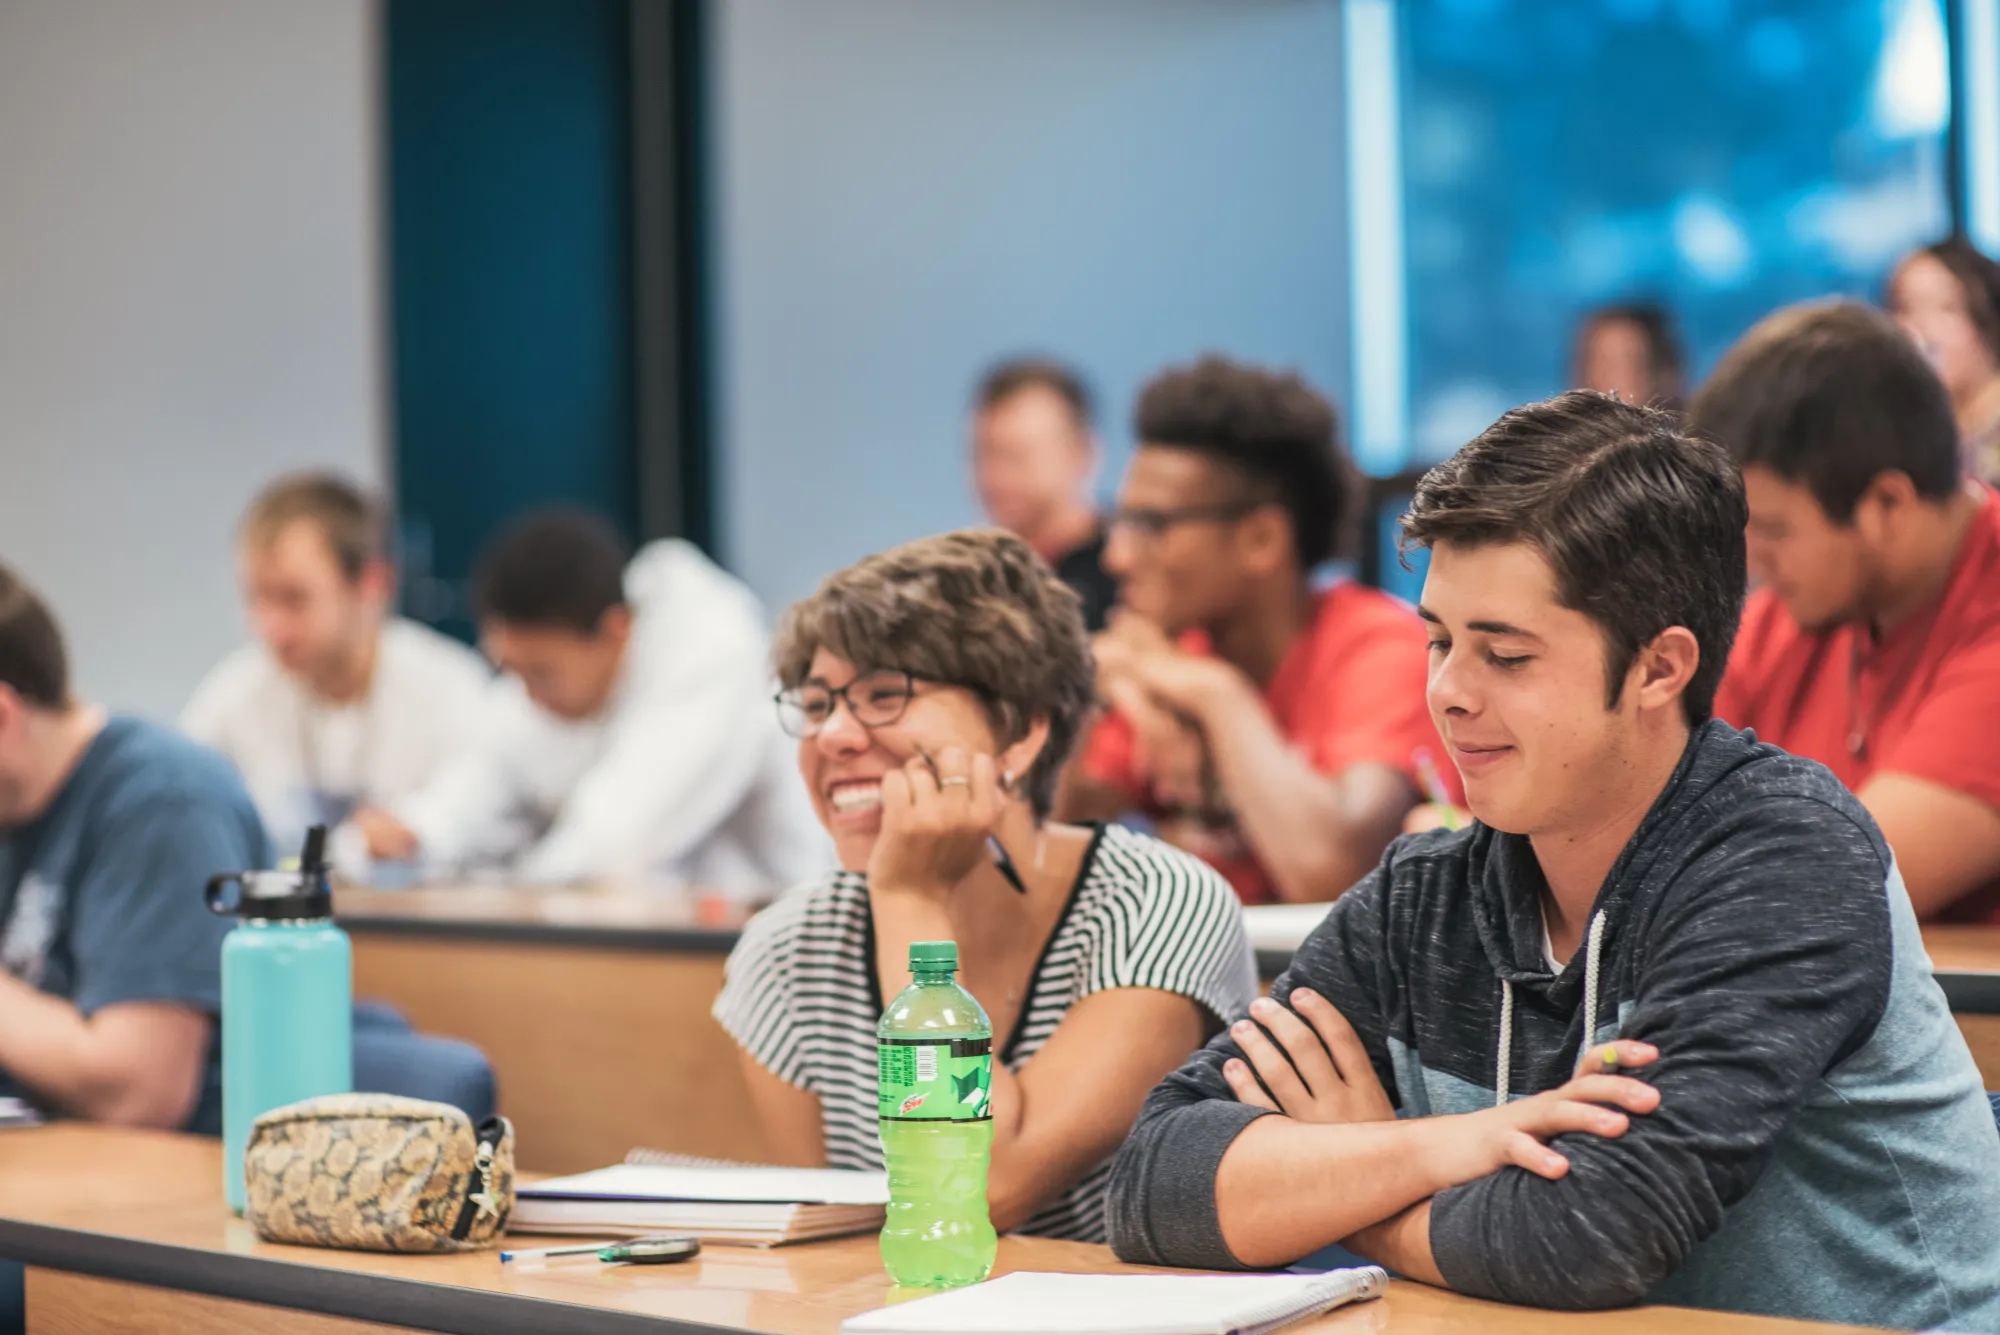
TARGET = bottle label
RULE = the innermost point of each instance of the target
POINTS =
(936, 1079)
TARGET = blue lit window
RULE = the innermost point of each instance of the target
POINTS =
(1723, 158)
(1514, 163)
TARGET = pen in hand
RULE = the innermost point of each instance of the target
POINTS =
(998, 851)
(1434, 789)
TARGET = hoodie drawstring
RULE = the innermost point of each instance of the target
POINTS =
(1504, 1058)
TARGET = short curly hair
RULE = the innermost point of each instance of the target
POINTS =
(975, 608)
(1277, 432)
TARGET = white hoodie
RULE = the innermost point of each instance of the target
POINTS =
(684, 775)
(306, 762)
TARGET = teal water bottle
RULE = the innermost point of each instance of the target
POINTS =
(936, 1080)
(287, 998)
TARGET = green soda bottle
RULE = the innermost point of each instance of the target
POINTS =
(936, 1067)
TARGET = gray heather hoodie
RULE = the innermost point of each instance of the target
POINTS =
(1822, 1148)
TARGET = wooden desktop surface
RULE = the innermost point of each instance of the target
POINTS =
(126, 1231)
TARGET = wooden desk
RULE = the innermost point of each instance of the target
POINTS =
(126, 1232)
(1967, 960)
(591, 1004)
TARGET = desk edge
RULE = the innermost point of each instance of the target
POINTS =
(1970, 991)
(682, 940)
(297, 1286)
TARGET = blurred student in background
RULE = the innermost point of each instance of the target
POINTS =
(935, 691)
(1631, 350)
(1873, 645)
(338, 705)
(1270, 725)
(631, 733)
(1034, 458)
(1947, 297)
(110, 979)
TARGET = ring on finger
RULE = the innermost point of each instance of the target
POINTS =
(951, 779)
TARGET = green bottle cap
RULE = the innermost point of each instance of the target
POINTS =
(933, 956)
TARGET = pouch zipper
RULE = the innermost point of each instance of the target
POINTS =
(479, 1183)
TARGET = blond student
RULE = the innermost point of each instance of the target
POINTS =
(338, 703)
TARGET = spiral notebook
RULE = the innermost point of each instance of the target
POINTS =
(1032, 1303)
(718, 1200)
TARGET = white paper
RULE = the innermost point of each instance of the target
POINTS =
(770, 1186)
(1032, 1303)
(1282, 926)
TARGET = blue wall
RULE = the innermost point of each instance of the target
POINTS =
(906, 190)
(507, 145)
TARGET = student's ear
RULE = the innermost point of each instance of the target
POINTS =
(377, 583)
(1662, 669)
(616, 624)
(1020, 756)
(1886, 505)
(1264, 536)
(1093, 459)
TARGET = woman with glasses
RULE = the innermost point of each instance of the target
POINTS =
(936, 691)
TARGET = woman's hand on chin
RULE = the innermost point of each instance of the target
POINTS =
(934, 825)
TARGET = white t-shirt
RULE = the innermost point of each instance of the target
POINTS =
(306, 761)
(683, 777)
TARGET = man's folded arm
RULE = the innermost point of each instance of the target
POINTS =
(1746, 1019)
(1163, 1199)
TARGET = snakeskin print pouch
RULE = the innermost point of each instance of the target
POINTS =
(377, 1173)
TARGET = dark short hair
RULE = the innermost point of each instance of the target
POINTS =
(1270, 427)
(351, 520)
(560, 567)
(1641, 522)
(1978, 279)
(1666, 363)
(32, 659)
(1006, 379)
(976, 608)
(1832, 395)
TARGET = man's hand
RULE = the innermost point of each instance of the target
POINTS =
(1317, 1071)
(389, 840)
(1163, 692)
(1133, 651)
(934, 827)
(1169, 751)
(1322, 1074)
(1518, 1133)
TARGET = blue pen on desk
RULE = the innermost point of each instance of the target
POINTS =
(994, 848)
(552, 1253)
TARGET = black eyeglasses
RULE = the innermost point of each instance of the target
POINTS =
(875, 699)
(1150, 523)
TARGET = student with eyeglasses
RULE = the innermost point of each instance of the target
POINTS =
(1270, 723)
(935, 691)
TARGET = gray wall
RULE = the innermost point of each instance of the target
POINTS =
(907, 189)
(187, 304)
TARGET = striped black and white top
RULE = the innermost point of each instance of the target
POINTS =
(802, 998)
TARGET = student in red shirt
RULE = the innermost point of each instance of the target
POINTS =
(1873, 645)
(1268, 725)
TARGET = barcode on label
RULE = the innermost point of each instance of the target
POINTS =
(926, 1064)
